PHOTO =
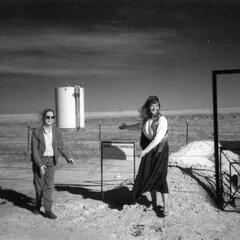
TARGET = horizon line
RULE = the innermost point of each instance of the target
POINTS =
(135, 112)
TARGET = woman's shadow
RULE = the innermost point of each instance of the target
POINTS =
(17, 198)
(115, 198)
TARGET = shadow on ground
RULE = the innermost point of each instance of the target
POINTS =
(116, 198)
(17, 198)
(206, 181)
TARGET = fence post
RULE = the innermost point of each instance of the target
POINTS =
(28, 137)
(186, 132)
(101, 157)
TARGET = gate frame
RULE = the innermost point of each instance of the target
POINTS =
(219, 190)
(134, 160)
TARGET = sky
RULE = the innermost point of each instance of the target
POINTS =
(121, 50)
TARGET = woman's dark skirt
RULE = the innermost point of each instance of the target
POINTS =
(152, 172)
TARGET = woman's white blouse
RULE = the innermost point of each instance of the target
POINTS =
(47, 133)
(155, 134)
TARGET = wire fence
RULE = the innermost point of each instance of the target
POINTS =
(15, 136)
(21, 145)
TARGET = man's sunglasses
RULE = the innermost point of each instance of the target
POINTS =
(48, 117)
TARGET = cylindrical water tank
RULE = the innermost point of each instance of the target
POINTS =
(69, 103)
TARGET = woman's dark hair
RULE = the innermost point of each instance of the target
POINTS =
(44, 112)
(145, 109)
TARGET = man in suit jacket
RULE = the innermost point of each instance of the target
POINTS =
(47, 146)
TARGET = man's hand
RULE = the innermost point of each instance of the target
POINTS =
(42, 170)
(71, 161)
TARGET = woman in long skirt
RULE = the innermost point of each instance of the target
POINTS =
(153, 168)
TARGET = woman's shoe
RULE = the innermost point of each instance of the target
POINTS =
(149, 208)
(36, 210)
(50, 214)
(165, 212)
(160, 207)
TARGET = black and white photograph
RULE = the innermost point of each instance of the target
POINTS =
(119, 119)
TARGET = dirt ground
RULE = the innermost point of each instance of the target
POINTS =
(84, 213)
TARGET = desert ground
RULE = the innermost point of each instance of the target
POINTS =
(84, 212)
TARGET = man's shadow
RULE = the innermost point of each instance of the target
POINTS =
(18, 199)
(115, 198)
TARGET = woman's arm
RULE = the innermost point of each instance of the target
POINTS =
(160, 135)
(132, 127)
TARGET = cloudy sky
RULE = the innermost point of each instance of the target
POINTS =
(122, 50)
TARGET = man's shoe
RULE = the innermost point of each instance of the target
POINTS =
(50, 214)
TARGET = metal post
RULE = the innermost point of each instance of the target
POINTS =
(134, 163)
(101, 161)
(186, 132)
(219, 201)
(28, 137)
(77, 106)
(99, 134)
(230, 171)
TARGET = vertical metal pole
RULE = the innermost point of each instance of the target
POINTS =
(186, 132)
(230, 171)
(220, 178)
(77, 106)
(134, 162)
(28, 133)
(219, 201)
(101, 154)
(102, 172)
